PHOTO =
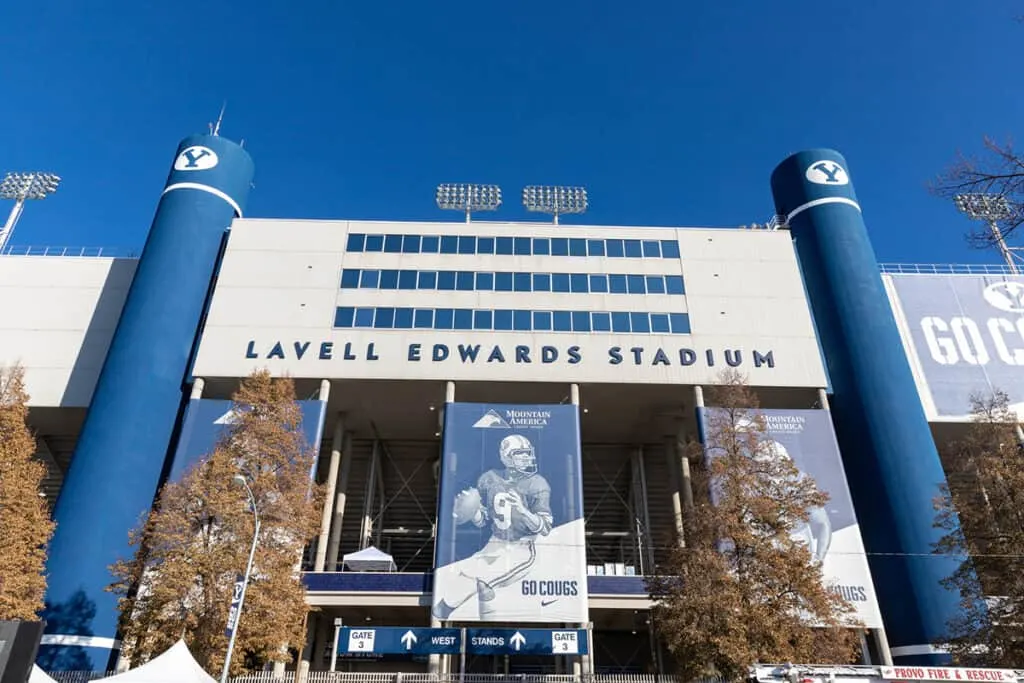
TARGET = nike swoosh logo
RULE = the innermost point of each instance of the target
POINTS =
(545, 603)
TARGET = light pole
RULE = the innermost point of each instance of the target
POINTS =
(21, 187)
(555, 199)
(468, 197)
(990, 208)
(239, 479)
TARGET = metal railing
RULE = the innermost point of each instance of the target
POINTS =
(946, 268)
(376, 677)
(78, 252)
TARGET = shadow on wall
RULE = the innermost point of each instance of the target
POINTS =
(72, 617)
(98, 334)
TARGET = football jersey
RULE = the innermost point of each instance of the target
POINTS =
(494, 486)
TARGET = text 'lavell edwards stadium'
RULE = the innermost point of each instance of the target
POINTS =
(501, 409)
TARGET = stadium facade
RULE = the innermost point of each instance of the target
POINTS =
(501, 408)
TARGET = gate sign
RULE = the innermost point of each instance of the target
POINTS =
(510, 541)
(526, 641)
(401, 640)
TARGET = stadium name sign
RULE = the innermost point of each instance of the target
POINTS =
(475, 353)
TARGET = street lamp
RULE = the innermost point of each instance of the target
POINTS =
(555, 200)
(239, 479)
(990, 208)
(21, 187)
(468, 197)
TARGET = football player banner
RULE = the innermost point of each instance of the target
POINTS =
(807, 439)
(510, 539)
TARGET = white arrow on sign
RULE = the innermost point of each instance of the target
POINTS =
(517, 640)
(409, 639)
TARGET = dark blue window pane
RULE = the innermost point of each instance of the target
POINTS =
(635, 284)
(615, 248)
(428, 280)
(430, 244)
(370, 279)
(659, 323)
(503, 319)
(411, 244)
(669, 249)
(680, 323)
(485, 281)
(483, 320)
(503, 246)
(674, 284)
(620, 321)
(599, 284)
(464, 281)
(641, 322)
(542, 282)
(403, 318)
(463, 319)
(595, 247)
(581, 321)
(541, 246)
(356, 242)
(578, 283)
(393, 244)
(444, 318)
(617, 283)
(562, 321)
(467, 244)
(503, 282)
(655, 284)
(364, 317)
(485, 245)
(559, 246)
(522, 246)
(521, 320)
(652, 249)
(560, 282)
(633, 249)
(407, 279)
(349, 278)
(385, 318)
(449, 244)
(521, 282)
(542, 320)
(344, 316)
(374, 242)
(389, 279)
(423, 317)
(446, 280)
(602, 321)
(577, 247)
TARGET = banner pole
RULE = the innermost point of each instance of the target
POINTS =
(462, 657)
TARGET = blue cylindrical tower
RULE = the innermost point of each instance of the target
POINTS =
(888, 452)
(120, 454)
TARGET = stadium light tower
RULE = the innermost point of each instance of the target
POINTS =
(21, 187)
(468, 197)
(990, 208)
(555, 200)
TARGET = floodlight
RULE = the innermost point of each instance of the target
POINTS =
(990, 208)
(555, 199)
(468, 197)
(21, 187)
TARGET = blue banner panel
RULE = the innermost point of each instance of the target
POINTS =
(400, 640)
(967, 332)
(526, 641)
(510, 541)
(207, 420)
(806, 438)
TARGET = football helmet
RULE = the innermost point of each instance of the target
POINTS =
(518, 455)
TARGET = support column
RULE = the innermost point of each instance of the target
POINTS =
(582, 664)
(334, 541)
(434, 662)
(371, 491)
(323, 541)
(686, 481)
(307, 658)
(675, 483)
(198, 384)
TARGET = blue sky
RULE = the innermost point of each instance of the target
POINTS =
(670, 113)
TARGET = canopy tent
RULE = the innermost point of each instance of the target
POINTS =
(39, 676)
(369, 559)
(174, 666)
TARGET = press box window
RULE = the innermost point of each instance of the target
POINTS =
(356, 242)
(385, 318)
(407, 279)
(659, 323)
(652, 249)
(393, 244)
(641, 322)
(522, 282)
(370, 279)
(635, 284)
(403, 318)
(669, 249)
(467, 245)
(577, 247)
(541, 246)
(485, 282)
(578, 283)
(344, 316)
(541, 282)
(464, 281)
(655, 284)
(615, 248)
(463, 319)
(446, 280)
(633, 249)
(428, 280)
(349, 278)
(521, 320)
(542, 320)
(595, 247)
(389, 279)
(364, 317)
(503, 246)
(602, 322)
(521, 246)
(485, 245)
(562, 321)
(449, 244)
(503, 320)
(560, 282)
(680, 323)
(430, 244)
(374, 242)
(581, 321)
(617, 283)
(423, 318)
(674, 284)
(559, 246)
(411, 244)
(599, 284)
(483, 320)
(503, 282)
(444, 318)
(620, 322)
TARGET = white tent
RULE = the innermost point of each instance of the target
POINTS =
(369, 559)
(39, 676)
(174, 666)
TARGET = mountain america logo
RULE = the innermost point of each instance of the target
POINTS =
(491, 420)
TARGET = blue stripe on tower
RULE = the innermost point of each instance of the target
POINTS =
(120, 454)
(888, 452)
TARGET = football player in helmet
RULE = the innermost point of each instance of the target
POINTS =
(516, 502)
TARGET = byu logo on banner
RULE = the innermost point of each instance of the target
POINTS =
(510, 543)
